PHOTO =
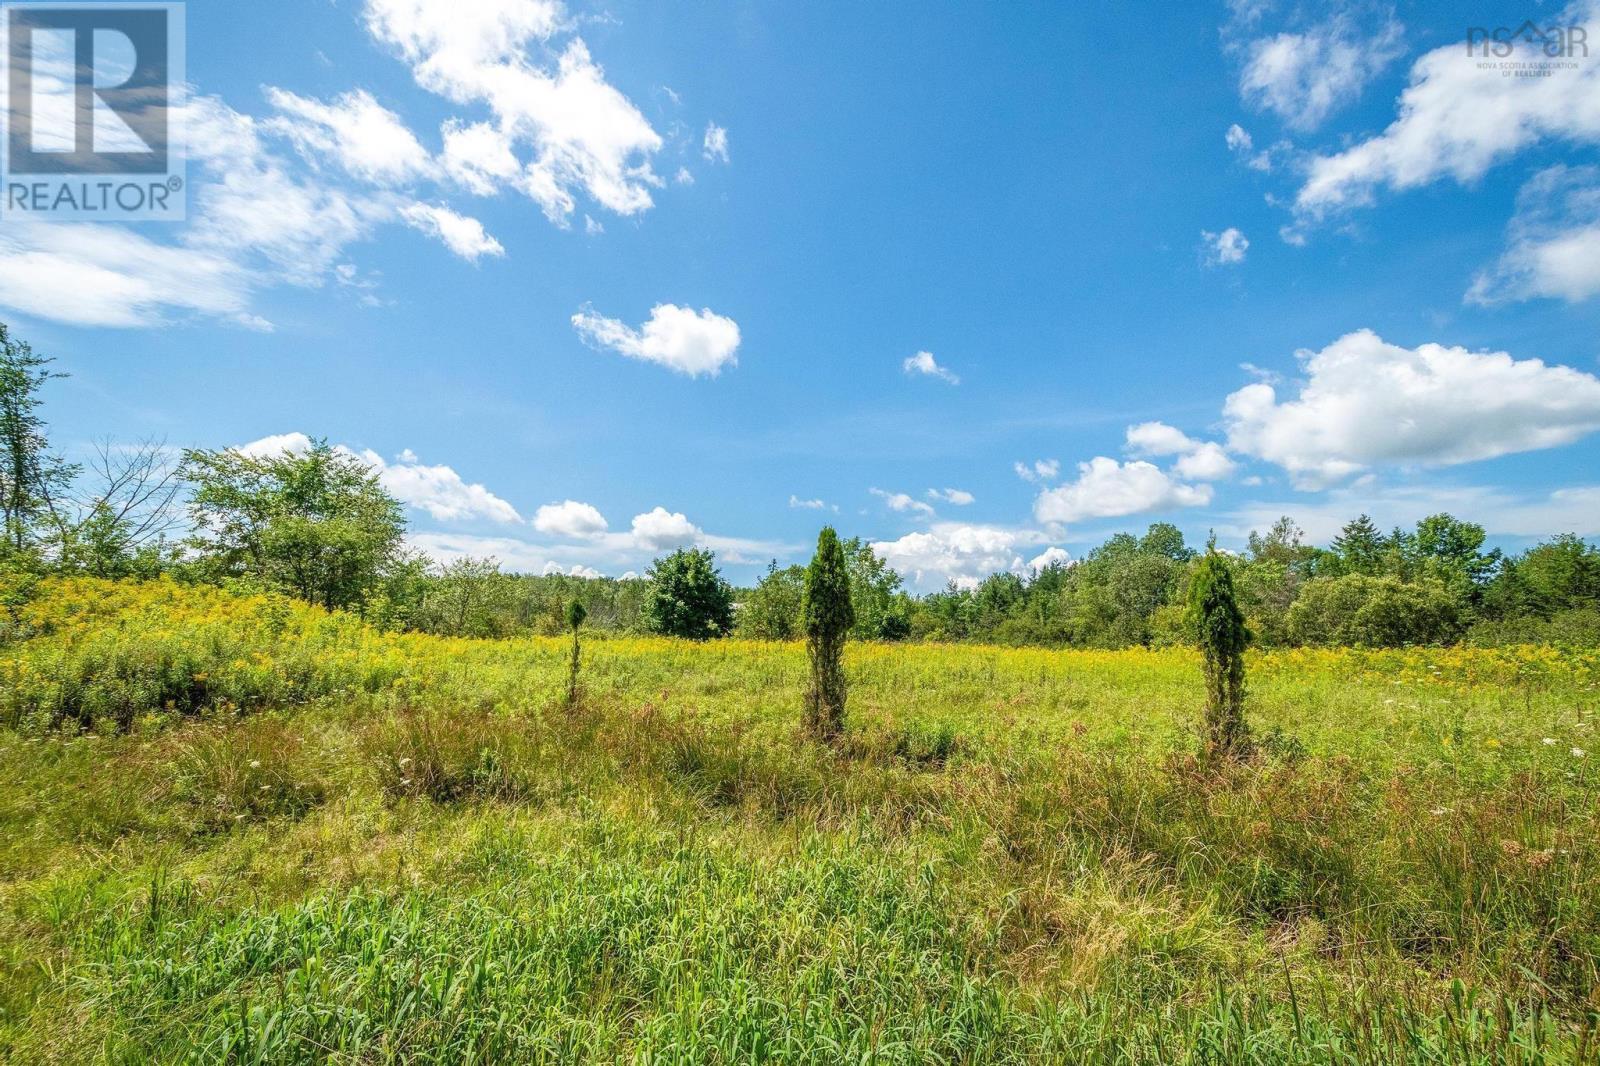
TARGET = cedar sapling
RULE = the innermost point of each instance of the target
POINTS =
(826, 615)
(576, 613)
(1219, 628)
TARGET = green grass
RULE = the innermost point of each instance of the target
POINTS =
(411, 852)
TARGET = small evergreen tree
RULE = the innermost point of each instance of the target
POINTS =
(1219, 627)
(1359, 547)
(576, 613)
(827, 616)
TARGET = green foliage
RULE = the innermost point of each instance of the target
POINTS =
(881, 608)
(576, 613)
(466, 598)
(318, 526)
(1377, 612)
(827, 617)
(32, 479)
(688, 597)
(1219, 627)
(771, 610)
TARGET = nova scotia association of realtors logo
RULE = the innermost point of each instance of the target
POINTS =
(1529, 50)
(92, 112)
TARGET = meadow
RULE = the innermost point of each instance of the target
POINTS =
(234, 828)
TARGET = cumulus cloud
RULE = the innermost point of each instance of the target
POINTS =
(275, 445)
(924, 363)
(964, 554)
(678, 338)
(1158, 438)
(1040, 470)
(571, 519)
(438, 490)
(660, 529)
(577, 134)
(1366, 402)
(1225, 248)
(1552, 244)
(1051, 556)
(715, 145)
(1306, 76)
(1106, 488)
(958, 497)
(1197, 460)
(902, 502)
(462, 235)
(1457, 119)
(1207, 461)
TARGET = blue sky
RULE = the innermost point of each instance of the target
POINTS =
(591, 281)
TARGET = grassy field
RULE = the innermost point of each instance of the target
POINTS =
(238, 829)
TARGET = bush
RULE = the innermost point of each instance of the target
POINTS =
(1375, 612)
(688, 597)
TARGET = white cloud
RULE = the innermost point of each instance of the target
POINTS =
(683, 177)
(570, 519)
(1051, 556)
(924, 363)
(551, 100)
(902, 502)
(478, 156)
(1158, 438)
(255, 220)
(575, 570)
(1198, 460)
(1366, 402)
(1225, 248)
(1241, 144)
(1458, 118)
(958, 497)
(715, 145)
(1206, 462)
(1041, 470)
(275, 445)
(1106, 488)
(660, 529)
(676, 337)
(462, 235)
(363, 137)
(438, 490)
(808, 505)
(1553, 242)
(965, 554)
(1305, 77)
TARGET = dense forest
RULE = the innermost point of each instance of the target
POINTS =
(320, 526)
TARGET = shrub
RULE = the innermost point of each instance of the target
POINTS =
(1376, 612)
(688, 597)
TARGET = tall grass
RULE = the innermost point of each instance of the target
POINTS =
(233, 829)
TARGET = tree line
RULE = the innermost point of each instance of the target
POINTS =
(319, 525)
